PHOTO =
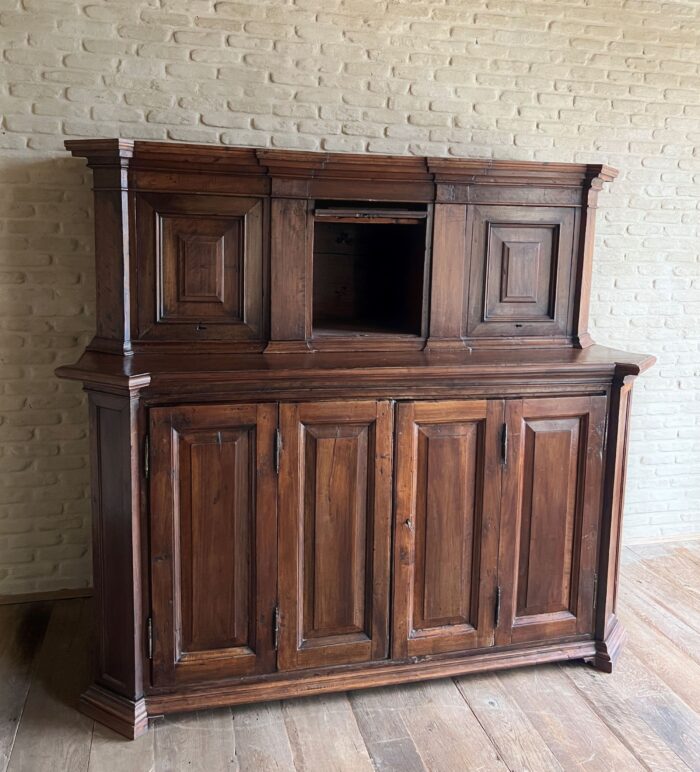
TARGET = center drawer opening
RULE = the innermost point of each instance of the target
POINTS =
(368, 269)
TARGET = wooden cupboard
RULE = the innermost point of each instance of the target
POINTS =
(348, 427)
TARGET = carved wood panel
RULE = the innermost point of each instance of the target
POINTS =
(201, 267)
(521, 271)
(213, 541)
(550, 521)
(447, 505)
(335, 515)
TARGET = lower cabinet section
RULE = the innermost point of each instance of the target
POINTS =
(317, 535)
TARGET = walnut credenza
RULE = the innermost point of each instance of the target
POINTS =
(348, 427)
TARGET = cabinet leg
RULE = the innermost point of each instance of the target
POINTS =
(126, 717)
(608, 651)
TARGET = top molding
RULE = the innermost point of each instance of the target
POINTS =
(349, 166)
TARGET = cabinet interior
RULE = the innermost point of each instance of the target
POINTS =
(369, 269)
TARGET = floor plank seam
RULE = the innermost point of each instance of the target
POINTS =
(613, 726)
(478, 720)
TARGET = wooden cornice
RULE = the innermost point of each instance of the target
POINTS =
(350, 166)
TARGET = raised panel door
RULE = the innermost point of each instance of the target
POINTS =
(521, 279)
(213, 541)
(446, 525)
(550, 519)
(201, 267)
(335, 520)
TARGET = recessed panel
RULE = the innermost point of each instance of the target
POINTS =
(520, 273)
(200, 269)
(447, 517)
(216, 525)
(521, 264)
(549, 509)
(200, 264)
(335, 529)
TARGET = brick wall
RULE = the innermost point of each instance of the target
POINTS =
(614, 81)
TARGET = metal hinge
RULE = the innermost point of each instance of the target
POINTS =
(595, 590)
(149, 637)
(504, 444)
(146, 458)
(497, 610)
(278, 450)
(275, 627)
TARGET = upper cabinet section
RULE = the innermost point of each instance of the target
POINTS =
(202, 248)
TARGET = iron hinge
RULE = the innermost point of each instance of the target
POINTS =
(275, 627)
(497, 610)
(504, 444)
(146, 458)
(595, 590)
(149, 637)
(278, 450)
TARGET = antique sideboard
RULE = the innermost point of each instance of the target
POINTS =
(348, 427)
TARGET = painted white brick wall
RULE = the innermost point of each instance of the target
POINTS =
(613, 81)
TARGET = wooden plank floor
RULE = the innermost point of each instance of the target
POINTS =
(552, 717)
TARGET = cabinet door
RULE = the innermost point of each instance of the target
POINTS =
(213, 541)
(335, 523)
(521, 260)
(201, 267)
(550, 517)
(448, 481)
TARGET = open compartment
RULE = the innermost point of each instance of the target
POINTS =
(368, 269)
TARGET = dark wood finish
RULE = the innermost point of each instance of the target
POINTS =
(213, 541)
(609, 632)
(517, 215)
(201, 268)
(334, 535)
(550, 517)
(449, 277)
(290, 242)
(520, 284)
(117, 576)
(446, 526)
(272, 324)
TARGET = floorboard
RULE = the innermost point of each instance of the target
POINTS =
(200, 742)
(512, 732)
(553, 717)
(262, 741)
(22, 628)
(571, 728)
(52, 735)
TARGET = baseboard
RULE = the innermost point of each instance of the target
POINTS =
(46, 595)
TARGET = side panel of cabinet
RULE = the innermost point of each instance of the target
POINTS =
(446, 534)
(334, 537)
(550, 517)
(213, 541)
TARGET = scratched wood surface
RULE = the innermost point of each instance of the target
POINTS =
(553, 717)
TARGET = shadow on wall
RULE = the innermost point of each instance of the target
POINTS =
(46, 319)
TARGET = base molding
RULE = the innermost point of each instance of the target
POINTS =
(299, 684)
(126, 717)
(608, 651)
